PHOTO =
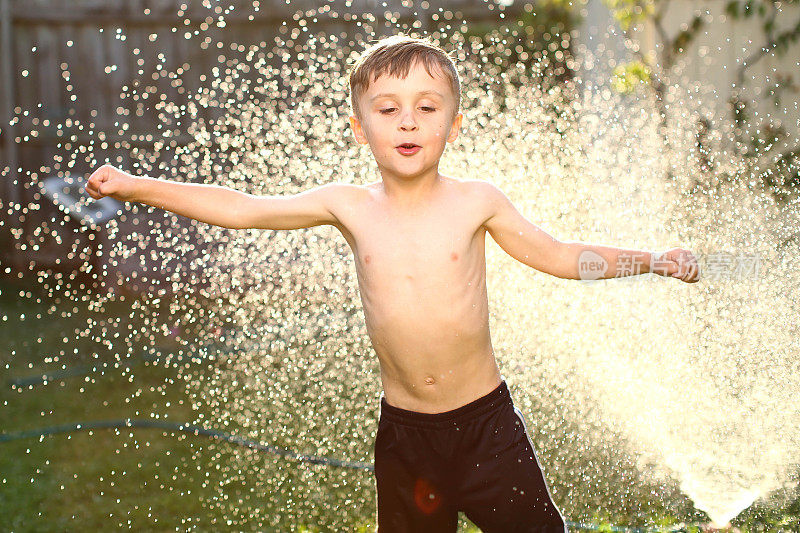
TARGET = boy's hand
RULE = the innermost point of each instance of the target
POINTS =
(678, 263)
(111, 181)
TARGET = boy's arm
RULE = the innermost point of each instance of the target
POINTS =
(312, 207)
(218, 205)
(532, 246)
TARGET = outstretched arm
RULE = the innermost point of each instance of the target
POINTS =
(529, 244)
(218, 205)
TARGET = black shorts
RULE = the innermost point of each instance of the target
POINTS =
(477, 459)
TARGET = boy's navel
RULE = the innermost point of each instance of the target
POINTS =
(430, 380)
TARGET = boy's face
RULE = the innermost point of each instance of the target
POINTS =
(395, 111)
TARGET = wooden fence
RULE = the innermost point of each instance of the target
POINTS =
(65, 65)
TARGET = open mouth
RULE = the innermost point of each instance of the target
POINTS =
(408, 148)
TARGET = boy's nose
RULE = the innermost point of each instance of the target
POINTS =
(407, 122)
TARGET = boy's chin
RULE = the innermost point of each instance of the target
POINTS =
(406, 173)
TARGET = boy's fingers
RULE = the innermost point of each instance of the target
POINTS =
(690, 274)
(680, 271)
(694, 270)
(105, 188)
(684, 267)
(95, 182)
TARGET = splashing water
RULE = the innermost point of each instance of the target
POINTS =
(701, 378)
(641, 386)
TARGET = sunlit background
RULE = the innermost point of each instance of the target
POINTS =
(164, 374)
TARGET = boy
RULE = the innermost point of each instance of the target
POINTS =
(449, 436)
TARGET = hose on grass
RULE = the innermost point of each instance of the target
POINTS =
(283, 452)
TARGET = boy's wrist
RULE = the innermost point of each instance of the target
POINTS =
(655, 262)
(140, 188)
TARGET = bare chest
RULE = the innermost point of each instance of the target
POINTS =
(434, 250)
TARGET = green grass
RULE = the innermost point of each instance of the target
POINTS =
(150, 479)
(138, 478)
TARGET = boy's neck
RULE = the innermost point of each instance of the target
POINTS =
(411, 192)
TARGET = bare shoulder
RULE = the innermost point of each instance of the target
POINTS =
(338, 188)
(487, 198)
(481, 188)
(352, 188)
(340, 195)
(343, 201)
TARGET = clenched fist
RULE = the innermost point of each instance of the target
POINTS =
(678, 263)
(111, 181)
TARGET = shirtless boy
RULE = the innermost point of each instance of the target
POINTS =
(449, 436)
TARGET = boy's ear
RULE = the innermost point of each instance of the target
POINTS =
(358, 132)
(455, 127)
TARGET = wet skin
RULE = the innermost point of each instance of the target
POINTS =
(418, 242)
(417, 236)
(422, 278)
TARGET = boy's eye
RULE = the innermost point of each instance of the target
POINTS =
(426, 108)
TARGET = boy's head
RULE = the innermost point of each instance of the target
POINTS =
(405, 90)
(394, 56)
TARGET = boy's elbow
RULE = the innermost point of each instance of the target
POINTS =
(563, 260)
(242, 211)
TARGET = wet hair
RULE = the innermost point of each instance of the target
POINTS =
(394, 56)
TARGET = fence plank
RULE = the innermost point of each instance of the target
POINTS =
(49, 24)
(49, 88)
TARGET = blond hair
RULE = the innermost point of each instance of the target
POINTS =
(394, 56)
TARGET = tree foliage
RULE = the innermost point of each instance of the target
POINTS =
(781, 174)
